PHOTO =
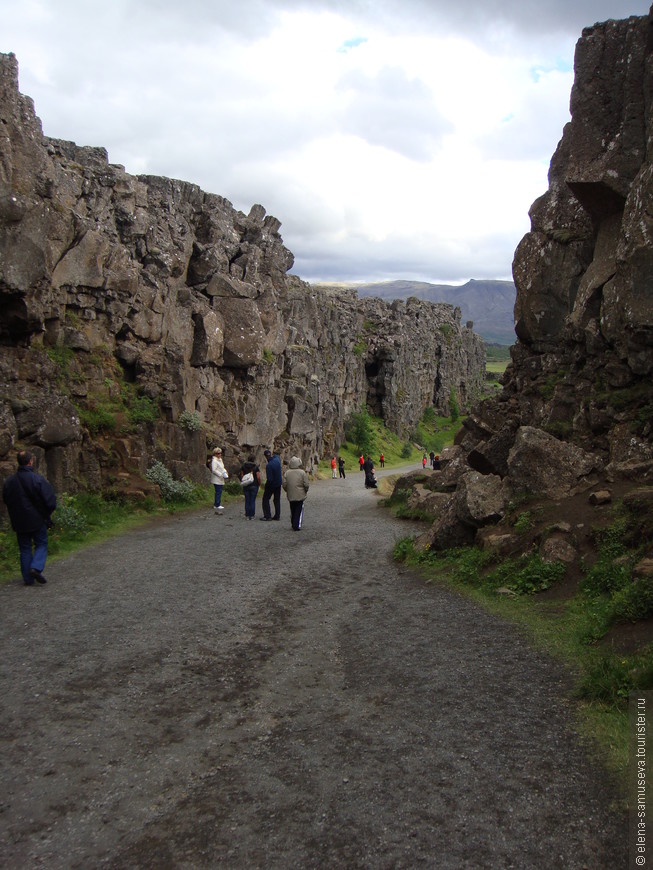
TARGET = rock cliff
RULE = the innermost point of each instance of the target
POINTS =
(129, 303)
(576, 406)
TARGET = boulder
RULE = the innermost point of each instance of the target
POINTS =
(544, 465)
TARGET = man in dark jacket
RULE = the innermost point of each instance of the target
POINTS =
(272, 487)
(30, 501)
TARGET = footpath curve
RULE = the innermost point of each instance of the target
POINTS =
(214, 692)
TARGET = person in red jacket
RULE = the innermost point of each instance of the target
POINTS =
(334, 468)
(361, 462)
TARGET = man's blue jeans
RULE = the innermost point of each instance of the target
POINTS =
(33, 548)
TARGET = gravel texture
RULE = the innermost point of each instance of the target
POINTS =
(209, 691)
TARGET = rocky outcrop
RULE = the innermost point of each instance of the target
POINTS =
(577, 402)
(117, 290)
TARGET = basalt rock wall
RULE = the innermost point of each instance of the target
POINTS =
(576, 406)
(112, 284)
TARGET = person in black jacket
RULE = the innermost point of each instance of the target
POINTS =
(272, 489)
(30, 502)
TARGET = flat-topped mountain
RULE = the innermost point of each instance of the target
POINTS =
(489, 304)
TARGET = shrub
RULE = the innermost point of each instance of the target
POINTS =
(359, 431)
(171, 489)
(191, 421)
(527, 575)
(143, 410)
(68, 517)
(97, 420)
(523, 523)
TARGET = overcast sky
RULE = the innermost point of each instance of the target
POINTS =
(392, 138)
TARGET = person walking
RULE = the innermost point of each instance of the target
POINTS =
(250, 477)
(218, 476)
(361, 462)
(272, 488)
(334, 466)
(341, 468)
(30, 501)
(296, 483)
(382, 460)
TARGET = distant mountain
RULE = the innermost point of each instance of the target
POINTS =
(489, 304)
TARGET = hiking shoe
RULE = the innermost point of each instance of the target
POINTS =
(36, 575)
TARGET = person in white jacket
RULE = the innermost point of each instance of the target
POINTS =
(218, 476)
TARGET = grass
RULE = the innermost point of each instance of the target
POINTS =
(569, 630)
(397, 452)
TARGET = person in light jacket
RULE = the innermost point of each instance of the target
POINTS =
(218, 476)
(295, 483)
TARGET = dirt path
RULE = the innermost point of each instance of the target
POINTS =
(213, 692)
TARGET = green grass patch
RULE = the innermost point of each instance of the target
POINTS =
(397, 451)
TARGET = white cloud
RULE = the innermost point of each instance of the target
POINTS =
(407, 139)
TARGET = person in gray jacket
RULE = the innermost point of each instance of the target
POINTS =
(295, 483)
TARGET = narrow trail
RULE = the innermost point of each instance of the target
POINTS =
(214, 692)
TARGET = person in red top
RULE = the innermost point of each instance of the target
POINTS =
(382, 460)
(334, 466)
(361, 462)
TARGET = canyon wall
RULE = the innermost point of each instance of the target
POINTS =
(117, 289)
(576, 408)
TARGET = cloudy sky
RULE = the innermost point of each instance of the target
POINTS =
(392, 138)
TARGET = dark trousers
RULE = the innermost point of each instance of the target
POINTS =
(274, 493)
(296, 514)
(342, 472)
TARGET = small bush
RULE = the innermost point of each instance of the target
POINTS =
(171, 489)
(143, 410)
(191, 421)
(97, 420)
(633, 601)
(523, 523)
(68, 517)
(527, 575)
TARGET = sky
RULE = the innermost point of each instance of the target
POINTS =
(393, 139)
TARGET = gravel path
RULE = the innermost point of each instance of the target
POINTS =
(213, 692)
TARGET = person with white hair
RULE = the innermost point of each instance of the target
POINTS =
(296, 483)
(218, 476)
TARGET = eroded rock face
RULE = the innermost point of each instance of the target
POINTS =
(582, 367)
(577, 399)
(107, 279)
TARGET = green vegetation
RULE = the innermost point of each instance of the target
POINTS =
(397, 452)
(359, 432)
(497, 357)
(497, 353)
(433, 432)
(574, 627)
(191, 421)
